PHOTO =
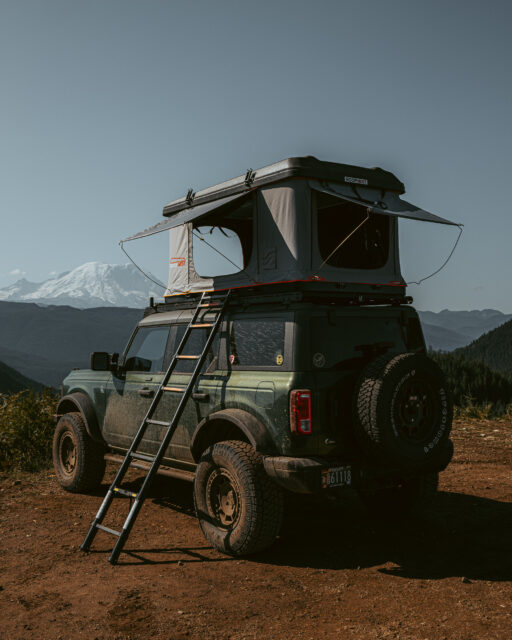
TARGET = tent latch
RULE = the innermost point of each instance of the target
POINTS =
(190, 197)
(249, 177)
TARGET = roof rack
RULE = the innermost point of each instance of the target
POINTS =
(285, 296)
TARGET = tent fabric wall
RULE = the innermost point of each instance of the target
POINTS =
(284, 247)
(284, 230)
(285, 242)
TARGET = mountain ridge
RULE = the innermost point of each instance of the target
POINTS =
(45, 343)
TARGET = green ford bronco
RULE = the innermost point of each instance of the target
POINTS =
(315, 380)
(298, 394)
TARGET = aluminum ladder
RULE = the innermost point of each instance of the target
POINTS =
(217, 305)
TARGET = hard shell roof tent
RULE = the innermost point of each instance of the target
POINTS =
(331, 227)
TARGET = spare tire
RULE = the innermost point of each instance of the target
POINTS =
(403, 410)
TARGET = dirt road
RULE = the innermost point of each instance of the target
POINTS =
(334, 572)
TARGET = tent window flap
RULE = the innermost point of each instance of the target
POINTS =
(187, 215)
(384, 202)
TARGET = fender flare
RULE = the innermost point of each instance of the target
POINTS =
(84, 405)
(206, 431)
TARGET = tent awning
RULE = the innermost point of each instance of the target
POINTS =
(386, 202)
(187, 215)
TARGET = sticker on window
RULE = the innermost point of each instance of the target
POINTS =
(319, 360)
(279, 359)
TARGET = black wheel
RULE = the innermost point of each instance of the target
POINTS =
(402, 497)
(238, 506)
(403, 410)
(78, 461)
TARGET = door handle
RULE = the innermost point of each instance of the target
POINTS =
(146, 392)
(201, 397)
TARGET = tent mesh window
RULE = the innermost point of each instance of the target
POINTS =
(230, 233)
(367, 248)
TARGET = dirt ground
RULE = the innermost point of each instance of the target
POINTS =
(333, 573)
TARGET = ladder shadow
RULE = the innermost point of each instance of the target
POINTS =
(169, 493)
(192, 555)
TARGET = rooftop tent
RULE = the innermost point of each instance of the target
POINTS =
(299, 220)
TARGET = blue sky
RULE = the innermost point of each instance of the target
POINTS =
(112, 108)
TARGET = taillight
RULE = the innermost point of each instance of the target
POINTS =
(300, 411)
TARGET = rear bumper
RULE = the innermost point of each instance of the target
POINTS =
(300, 475)
(305, 475)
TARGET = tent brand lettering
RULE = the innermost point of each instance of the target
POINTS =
(178, 262)
(356, 180)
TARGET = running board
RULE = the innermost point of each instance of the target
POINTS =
(168, 472)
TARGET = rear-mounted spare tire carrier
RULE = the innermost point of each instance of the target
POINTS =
(403, 410)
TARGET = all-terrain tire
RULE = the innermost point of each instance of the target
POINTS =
(239, 508)
(403, 410)
(406, 496)
(78, 460)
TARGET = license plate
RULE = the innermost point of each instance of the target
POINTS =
(336, 477)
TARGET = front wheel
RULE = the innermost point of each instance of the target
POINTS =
(402, 497)
(238, 506)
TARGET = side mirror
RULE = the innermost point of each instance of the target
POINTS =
(100, 361)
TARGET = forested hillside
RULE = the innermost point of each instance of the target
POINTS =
(472, 382)
(11, 381)
(493, 349)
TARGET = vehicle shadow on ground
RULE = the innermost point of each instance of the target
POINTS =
(460, 535)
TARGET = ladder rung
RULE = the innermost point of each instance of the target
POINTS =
(159, 423)
(142, 456)
(124, 492)
(177, 389)
(107, 530)
(200, 326)
(188, 357)
(215, 295)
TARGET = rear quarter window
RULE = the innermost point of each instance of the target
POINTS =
(258, 342)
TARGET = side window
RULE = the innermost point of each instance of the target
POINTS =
(146, 352)
(194, 347)
(257, 342)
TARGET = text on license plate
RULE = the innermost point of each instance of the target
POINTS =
(337, 477)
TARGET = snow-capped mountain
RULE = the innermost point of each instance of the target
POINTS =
(93, 284)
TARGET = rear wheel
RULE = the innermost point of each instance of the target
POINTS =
(78, 460)
(401, 498)
(238, 506)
